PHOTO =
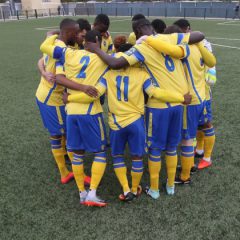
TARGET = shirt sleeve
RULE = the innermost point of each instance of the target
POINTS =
(133, 56)
(148, 87)
(101, 86)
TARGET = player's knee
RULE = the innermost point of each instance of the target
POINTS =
(118, 161)
(188, 142)
(155, 154)
(136, 157)
(137, 165)
(207, 125)
(56, 142)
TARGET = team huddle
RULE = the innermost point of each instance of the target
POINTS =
(156, 86)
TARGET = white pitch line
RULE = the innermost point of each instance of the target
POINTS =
(227, 23)
(230, 39)
(225, 46)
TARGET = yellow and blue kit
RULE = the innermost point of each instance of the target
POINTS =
(86, 129)
(195, 72)
(49, 99)
(167, 73)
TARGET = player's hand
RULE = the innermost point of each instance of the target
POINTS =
(90, 91)
(92, 47)
(187, 99)
(65, 98)
(141, 39)
(50, 77)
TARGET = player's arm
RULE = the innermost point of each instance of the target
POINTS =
(83, 98)
(50, 77)
(165, 95)
(196, 37)
(208, 58)
(176, 51)
(48, 47)
(114, 63)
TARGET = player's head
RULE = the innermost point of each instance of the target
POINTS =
(84, 27)
(118, 41)
(124, 47)
(183, 24)
(68, 31)
(158, 25)
(137, 17)
(142, 27)
(92, 36)
(172, 29)
(101, 23)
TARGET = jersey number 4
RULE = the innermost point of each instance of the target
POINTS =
(84, 61)
(125, 81)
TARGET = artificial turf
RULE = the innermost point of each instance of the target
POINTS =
(33, 203)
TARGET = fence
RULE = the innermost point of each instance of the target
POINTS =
(160, 10)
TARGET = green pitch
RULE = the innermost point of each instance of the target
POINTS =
(33, 203)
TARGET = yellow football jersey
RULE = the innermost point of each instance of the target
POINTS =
(195, 72)
(132, 38)
(50, 94)
(82, 67)
(125, 95)
(107, 44)
(166, 72)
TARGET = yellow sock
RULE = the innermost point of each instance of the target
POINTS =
(154, 167)
(187, 160)
(200, 140)
(136, 173)
(98, 168)
(209, 141)
(77, 167)
(63, 143)
(121, 172)
(171, 164)
(70, 155)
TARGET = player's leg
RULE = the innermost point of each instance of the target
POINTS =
(157, 129)
(173, 139)
(190, 122)
(76, 147)
(200, 144)
(209, 138)
(118, 140)
(137, 146)
(54, 121)
(93, 134)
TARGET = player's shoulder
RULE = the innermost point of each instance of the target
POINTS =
(59, 43)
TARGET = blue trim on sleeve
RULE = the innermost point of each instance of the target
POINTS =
(139, 56)
(103, 82)
(147, 84)
(58, 52)
(180, 38)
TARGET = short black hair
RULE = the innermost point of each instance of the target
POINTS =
(172, 29)
(66, 22)
(103, 19)
(159, 25)
(182, 23)
(124, 47)
(84, 24)
(138, 16)
(92, 35)
(140, 23)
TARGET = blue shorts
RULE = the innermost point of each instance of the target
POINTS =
(192, 117)
(86, 132)
(134, 134)
(164, 127)
(54, 118)
(208, 111)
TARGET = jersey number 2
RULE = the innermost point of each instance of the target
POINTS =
(85, 61)
(125, 81)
